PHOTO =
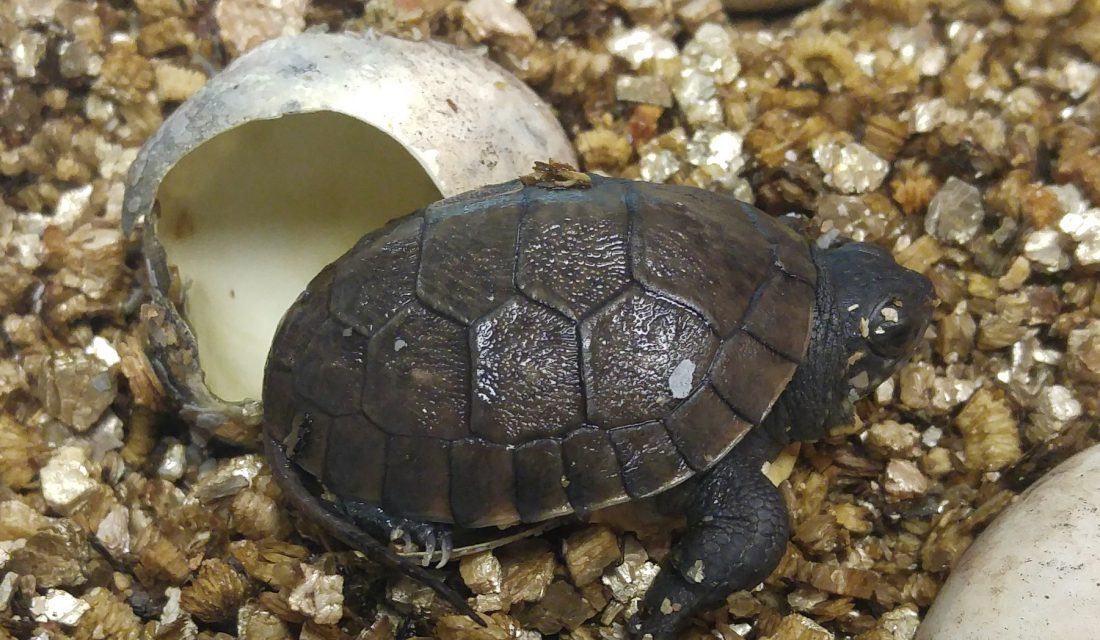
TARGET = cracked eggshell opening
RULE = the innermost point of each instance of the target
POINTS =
(1035, 572)
(281, 163)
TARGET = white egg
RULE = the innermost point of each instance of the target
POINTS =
(282, 162)
(1035, 572)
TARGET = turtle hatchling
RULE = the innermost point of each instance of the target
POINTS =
(538, 350)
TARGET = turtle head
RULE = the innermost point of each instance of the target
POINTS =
(869, 317)
(882, 310)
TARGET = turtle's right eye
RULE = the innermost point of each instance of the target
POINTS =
(892, 334)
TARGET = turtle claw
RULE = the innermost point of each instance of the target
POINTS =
(432, 538)
(429, 551)
(447, 545)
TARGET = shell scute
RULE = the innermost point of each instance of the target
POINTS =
(768, 317)
(792, 257)
(649, 459)
(279, 399)
(482, 484)
(296, 328)
(417, 376)
(307, 440)
(418, 478)
(468, 261)
(527, 380)
(704, 428)
(642, 355)
(356, 466)
(540, 480)
(691, 247)
(592, 471)
(750, 376)
(573, 250)
(376, 278)
(329, 372)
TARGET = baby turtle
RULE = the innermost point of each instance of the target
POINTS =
(524, 353)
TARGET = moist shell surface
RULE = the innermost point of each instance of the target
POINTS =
(518, 353)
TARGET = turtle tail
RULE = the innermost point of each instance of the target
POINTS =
(324, 514)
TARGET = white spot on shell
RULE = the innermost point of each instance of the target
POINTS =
(680, 380)
(399, 344)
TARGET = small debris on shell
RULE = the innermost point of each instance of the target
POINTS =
(556, 175)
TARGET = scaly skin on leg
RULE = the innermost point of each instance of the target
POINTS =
(430, 536)
(340, 525)
(737, 533)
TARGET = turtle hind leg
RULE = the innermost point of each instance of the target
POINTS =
(341, 526)
(737, 533)
(434, 538)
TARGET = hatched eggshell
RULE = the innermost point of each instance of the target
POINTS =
(1035, 572)
(468, 121)
(279, 164)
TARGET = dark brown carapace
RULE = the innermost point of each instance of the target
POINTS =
(528, 353)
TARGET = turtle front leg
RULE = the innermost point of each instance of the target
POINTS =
(737, 534)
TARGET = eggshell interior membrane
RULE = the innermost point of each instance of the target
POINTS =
(250, 216)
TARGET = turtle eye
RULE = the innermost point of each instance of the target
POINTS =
(892, 335)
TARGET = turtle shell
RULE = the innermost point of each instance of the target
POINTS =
(519, 353)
